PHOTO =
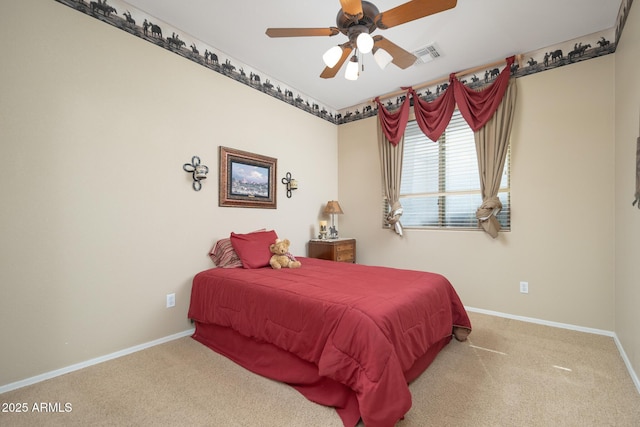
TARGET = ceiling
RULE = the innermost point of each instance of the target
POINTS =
(474, 33)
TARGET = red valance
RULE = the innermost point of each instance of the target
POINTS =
(394, 124)
(477, 107)
(434, 117)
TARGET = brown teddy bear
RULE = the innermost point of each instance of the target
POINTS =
(281, 256)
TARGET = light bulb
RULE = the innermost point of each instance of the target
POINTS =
(332, 56)
(382, 57)
(364, 42)
(351, 73)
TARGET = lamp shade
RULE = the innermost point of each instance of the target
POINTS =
(333, 207)
(351, 73)
(382, 57)
(364, 42)
(332, 56)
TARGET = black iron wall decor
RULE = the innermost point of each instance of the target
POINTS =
(291, 184)
(198, 171)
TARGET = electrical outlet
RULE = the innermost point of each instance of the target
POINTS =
(171, 300)
(524, 287)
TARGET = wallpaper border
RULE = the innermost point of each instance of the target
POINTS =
(153, 30)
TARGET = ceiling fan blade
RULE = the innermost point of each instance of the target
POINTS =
(302, 32)
(401, 57)
(412, 10)
(329, 73)
(352, 9)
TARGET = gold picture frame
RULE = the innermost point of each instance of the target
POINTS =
(247, 180)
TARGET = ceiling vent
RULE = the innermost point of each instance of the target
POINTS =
(427, 54)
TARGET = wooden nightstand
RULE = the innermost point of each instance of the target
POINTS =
(342, 250)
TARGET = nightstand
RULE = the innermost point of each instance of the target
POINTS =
(342, 250)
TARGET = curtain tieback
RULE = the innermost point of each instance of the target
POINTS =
(393, 217)
(489, 208)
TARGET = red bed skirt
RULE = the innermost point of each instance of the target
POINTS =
(272, 362)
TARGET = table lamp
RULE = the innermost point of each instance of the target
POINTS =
(333, 208)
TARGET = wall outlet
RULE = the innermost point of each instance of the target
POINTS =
(524, 287)
(171, 300)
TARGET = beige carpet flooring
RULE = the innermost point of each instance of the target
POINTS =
(509, 373)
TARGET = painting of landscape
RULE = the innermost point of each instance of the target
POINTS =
(248, 180)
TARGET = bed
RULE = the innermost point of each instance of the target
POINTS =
(344, 335)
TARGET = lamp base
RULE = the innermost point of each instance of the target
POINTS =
(333, 231)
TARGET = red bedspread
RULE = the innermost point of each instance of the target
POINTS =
(364, 327)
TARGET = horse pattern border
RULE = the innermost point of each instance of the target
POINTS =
(140, 24)
(150, 29)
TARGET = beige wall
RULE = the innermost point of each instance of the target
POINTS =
(562, 238)
(98, 221)
(627, 295)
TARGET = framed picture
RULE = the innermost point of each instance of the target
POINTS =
(247, 179)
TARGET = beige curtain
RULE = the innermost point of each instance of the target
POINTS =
(391, 168)
(492, 142)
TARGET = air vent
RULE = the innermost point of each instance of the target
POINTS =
(427, 54)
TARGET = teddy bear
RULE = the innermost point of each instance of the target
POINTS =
(281, 256)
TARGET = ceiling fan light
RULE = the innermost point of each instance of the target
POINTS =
(364, 42)
(332, 56)
(351, 73)
(382, 57)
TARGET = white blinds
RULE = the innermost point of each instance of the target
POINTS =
(440, 182)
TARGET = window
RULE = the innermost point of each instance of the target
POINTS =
(440, 183)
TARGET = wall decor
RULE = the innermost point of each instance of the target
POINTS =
(623, 13)
(551, 57)
(247, 179)
(290, 183)
(126, 17)
(198, 171)
(636, 196)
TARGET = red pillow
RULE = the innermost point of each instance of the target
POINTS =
(253, 248)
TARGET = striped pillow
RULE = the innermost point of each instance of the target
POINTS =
(223, 255)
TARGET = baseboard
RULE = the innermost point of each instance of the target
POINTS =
(77, 366)
(623, 354)
(542, 322)
(627, 362)
(87, 363)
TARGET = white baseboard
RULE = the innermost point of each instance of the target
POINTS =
(77, 366)
(627, 362)
(623, 354)
(542, 322)
(87, 363)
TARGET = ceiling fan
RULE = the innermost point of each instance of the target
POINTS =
(357, 19)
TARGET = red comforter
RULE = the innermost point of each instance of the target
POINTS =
(360, 326)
